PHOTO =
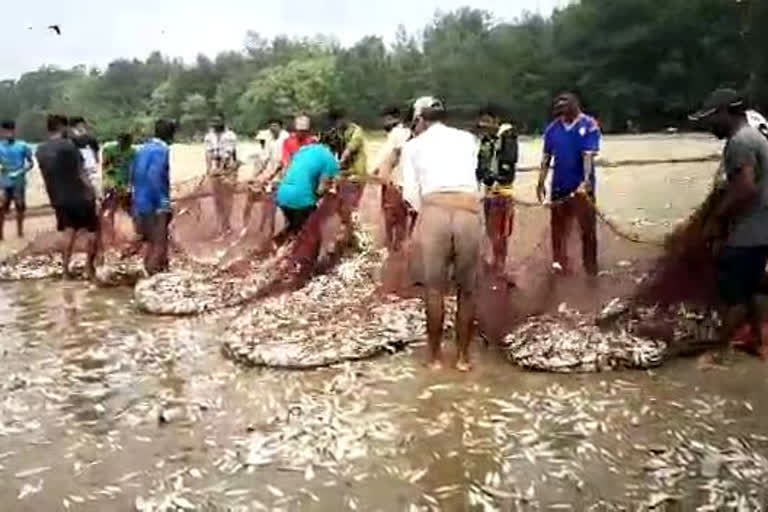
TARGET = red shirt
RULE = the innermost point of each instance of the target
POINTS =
(293, 143)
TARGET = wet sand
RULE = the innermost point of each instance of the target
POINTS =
(102, 406)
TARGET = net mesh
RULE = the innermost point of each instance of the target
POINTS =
(222, 239)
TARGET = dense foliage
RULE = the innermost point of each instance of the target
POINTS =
(644, 61)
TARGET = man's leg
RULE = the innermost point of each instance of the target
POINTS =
(435, 306)
(466, 248)
(587, 216)
(20, 205)
(5, 205)
(560, 226)
(70, 235)
(434, 238)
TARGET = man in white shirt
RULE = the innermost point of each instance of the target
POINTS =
(439, 183)
(387, 168)
(221, 166)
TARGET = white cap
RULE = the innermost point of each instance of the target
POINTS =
(301, 123)
(426, 102)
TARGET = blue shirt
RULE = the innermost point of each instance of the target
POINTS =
(13, 161)
(567, 145)
(150, 178)
(298, 188)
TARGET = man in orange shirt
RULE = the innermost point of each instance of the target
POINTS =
(301, 136)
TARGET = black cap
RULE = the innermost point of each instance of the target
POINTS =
(719, 99)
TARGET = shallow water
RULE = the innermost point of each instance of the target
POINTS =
(87, 377)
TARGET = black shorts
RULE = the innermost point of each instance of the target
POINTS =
(740, 273)
(296, 218)
(77, 216)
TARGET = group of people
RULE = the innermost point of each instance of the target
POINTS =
(440, 186)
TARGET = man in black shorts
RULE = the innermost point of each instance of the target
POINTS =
(741, 218)
(70, 193)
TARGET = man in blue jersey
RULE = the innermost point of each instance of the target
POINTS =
(150, 180)
(573, 140)
(308, 176)
(15, 162)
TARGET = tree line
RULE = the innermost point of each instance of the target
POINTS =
(636, 63)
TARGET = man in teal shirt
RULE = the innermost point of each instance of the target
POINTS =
(15, 162)
(307, 177)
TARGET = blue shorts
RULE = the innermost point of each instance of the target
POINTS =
(740, 273)
(15, 193)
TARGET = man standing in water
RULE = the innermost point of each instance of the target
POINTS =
(741, 218)
(15, 162)
(573, 140)
(221, 165)
(496, 166)
(70, 192)
(150, 178)
(439, 183)
(387, 168)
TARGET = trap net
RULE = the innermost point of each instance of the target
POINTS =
(333, 293)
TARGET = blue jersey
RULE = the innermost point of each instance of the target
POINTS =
(298, 188)
(150, 178)
(567, 144)
(13, 162)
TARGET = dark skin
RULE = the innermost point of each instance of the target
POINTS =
(435, 306)
(5, 202)
(110, 209)
(741, 190)
(566, 107)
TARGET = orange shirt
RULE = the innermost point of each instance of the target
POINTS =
(293, 143)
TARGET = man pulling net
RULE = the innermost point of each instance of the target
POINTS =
(221, 167)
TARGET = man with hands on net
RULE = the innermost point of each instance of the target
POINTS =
(573, 140)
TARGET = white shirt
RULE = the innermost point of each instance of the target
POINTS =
(442, 159)
(221, 147)
(396, 139)
(275, 147)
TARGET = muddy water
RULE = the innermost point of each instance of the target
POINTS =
(101, 406)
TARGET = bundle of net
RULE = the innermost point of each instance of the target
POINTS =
(243, 264)
(633, 301)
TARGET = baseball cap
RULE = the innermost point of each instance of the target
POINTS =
(301, 123)
(719, 99)
(426, 103)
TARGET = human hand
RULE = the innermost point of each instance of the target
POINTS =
(541, 191)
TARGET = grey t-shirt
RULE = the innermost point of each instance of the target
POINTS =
(749, 147)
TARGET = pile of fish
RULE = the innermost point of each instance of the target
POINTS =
(572, 343)
(335, 317)
(112, 272)
(184, 292)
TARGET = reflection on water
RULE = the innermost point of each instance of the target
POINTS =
(101, 405)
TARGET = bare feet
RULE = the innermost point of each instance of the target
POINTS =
(435, 362)
(463, 365)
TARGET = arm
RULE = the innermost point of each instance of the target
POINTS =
(411, 187)
(159, 175)
(29, 161)
(385, 168)
(590, 148)
(741, 190)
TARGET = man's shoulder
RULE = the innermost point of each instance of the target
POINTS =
(589, 123)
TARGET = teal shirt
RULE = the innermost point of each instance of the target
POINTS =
(298, 188)
(13, 162)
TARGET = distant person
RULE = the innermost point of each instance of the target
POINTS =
(275, 143)
(573, 140)
(353, 159)
(116, 177)
(496, 168)
(439, 183)
(221, 165)
(387, 168)
(261, 159)
(150, 179)
(740, 221)
(89, 149)
(15, 162)
(301, 136)
(70, 192)
(309, 175)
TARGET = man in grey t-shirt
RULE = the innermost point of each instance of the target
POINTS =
(741, 219)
